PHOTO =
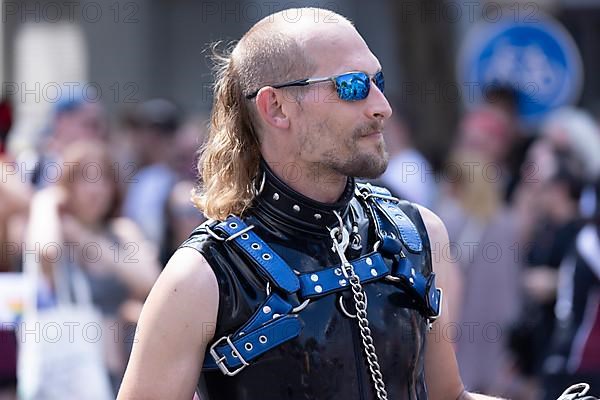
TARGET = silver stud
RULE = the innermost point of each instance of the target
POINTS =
(411, 280)
(369, 261)
(266, 309)
(276, 315)
(314, 277)
(296, 208)
(342, 282)
(373, 272)
(318, 288)
(262, 339)
(337, 271)
(248, 346)
(275, 196)
(317, 216)
(412, 271)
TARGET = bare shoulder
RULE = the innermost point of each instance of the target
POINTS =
(189, 273)
(436, 230)
(177, 322)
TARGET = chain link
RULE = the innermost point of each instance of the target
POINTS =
(360, 298)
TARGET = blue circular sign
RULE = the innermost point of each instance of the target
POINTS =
(539, 60)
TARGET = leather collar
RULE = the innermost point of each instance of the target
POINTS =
(286, 206)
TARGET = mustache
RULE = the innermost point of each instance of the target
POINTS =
(369, 128)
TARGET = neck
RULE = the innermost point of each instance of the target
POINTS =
(312, 180)
(291, 202)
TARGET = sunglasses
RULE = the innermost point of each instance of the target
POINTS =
(350, 86)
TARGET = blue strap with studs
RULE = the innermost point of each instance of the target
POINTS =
(369, 267)
(422, 289)
(269, 263)
(391, 222)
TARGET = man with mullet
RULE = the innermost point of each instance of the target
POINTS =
(303, 284)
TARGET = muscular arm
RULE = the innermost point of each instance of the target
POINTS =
(441, 369)
(177, 322)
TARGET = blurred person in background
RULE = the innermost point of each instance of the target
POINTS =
(409, 175)
(482, 231)
(489, 132)
(14, 203)
(551, 202)
(152, 126)
(182, 217)
(190, 137)
(82, 208)
(551, 239)
(574, 131)
(574, 350)
(74, 117)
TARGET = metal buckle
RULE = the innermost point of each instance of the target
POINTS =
(220, 360)
(213, 234)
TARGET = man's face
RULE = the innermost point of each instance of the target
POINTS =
(344, 137)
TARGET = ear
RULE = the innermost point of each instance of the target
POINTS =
(271, 108)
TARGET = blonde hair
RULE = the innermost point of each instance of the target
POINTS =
(230, 159)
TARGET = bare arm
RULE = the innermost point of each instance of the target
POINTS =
(441, 369)
(177, 322)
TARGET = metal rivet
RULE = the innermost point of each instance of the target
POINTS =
(296, 208)
(314, 277)
(245, 236)
(369, 261)
(266, 256)
(255, 246)
(373, 272)
(233, 225)
(342, 282)
(262, 339)
(318, 289)
(248, 346)
(412, 271)
(337, 271)
(317, 216)
(411, 280)
(241, 334)
(275, 196)
(275, 315)
(266, 309)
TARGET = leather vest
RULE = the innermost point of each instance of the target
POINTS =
(326, 360)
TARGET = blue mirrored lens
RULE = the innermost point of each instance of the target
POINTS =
(353, 86)
(379, 81)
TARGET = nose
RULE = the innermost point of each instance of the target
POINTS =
(377, 105)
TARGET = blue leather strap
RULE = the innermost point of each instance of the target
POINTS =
(269, 263)
(251, 345)
(390, 221)
(369, 267)
(422, 289)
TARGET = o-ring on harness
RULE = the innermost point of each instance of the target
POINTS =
(277, 321)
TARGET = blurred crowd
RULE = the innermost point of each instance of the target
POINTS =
(108, 204)
(521, 209)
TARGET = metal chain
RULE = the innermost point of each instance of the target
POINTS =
(360, 305)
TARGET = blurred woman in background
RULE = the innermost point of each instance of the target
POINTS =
(81, 210)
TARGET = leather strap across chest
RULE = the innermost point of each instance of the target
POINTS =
(276, 321)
